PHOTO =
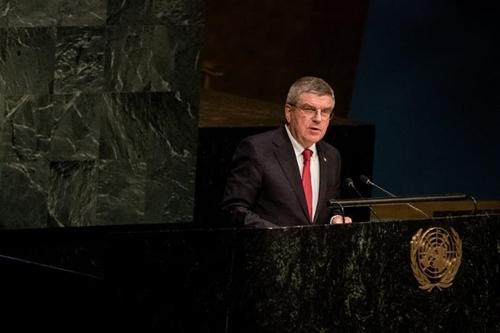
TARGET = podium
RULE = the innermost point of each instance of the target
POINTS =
(332, 278)
(434, 275)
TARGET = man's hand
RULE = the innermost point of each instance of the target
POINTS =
(337, 219)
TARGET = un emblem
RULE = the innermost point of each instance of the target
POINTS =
(435, 257)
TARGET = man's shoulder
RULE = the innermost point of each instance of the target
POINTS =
(327, 148)
(266, 137)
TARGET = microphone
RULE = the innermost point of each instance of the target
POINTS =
(350, 184)
(367, 181)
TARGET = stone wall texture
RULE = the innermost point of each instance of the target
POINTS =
(99, 108)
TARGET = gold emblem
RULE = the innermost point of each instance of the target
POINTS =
(435, 257)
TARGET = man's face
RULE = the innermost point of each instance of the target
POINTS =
(306, 126)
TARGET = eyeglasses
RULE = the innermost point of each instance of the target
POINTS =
(311, 111)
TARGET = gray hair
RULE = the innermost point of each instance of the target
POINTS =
(308, 84)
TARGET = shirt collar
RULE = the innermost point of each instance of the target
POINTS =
(297, 147)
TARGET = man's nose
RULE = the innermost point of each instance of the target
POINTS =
(317, 115)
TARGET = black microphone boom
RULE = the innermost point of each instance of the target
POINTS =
(350, 184)
(367, 181)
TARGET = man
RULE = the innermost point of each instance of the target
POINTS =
(286, 176)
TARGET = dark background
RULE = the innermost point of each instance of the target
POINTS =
(428, 78)
(262, 47)
(424, 73)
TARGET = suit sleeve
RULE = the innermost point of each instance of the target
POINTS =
(336, 188)
(242, 188)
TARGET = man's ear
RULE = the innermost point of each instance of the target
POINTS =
(288, 109)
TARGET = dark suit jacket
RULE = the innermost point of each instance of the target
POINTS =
(264, 187)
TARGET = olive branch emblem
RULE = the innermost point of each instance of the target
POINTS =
(436, 256)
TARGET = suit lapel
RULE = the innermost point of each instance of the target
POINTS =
(285, 156)
(323, 181)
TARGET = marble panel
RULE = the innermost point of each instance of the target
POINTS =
(79, 59)
(26, 13)
(121, 187)
(27, 61)
(72, 195)
(103, 96)
(494, 308)
(23, 195)
(171, 163)
(149, 12)
(356, 290)
(76, 135)
(28, 127)
(82, 12)
(3, 58)
(152, 58)
(288, 273)
(5, 139)
(461, 305)
(352, 278)
(185, 59)
(178, 12)
(129, 12)
(4, 11)
(125, 126)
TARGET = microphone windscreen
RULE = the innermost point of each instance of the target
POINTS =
(364, 179)
(349, 182)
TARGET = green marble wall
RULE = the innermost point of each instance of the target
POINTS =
(98, 111)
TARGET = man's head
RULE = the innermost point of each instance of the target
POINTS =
(308, 109)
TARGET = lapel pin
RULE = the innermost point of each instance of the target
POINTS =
(324, 159)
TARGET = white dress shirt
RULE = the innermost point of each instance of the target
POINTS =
(298, 149)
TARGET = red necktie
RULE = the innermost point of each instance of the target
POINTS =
(306, 181)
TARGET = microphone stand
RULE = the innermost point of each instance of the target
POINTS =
(474, 201)
(397, 200)
(395, 196)
(350, 184)
(367, 180)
